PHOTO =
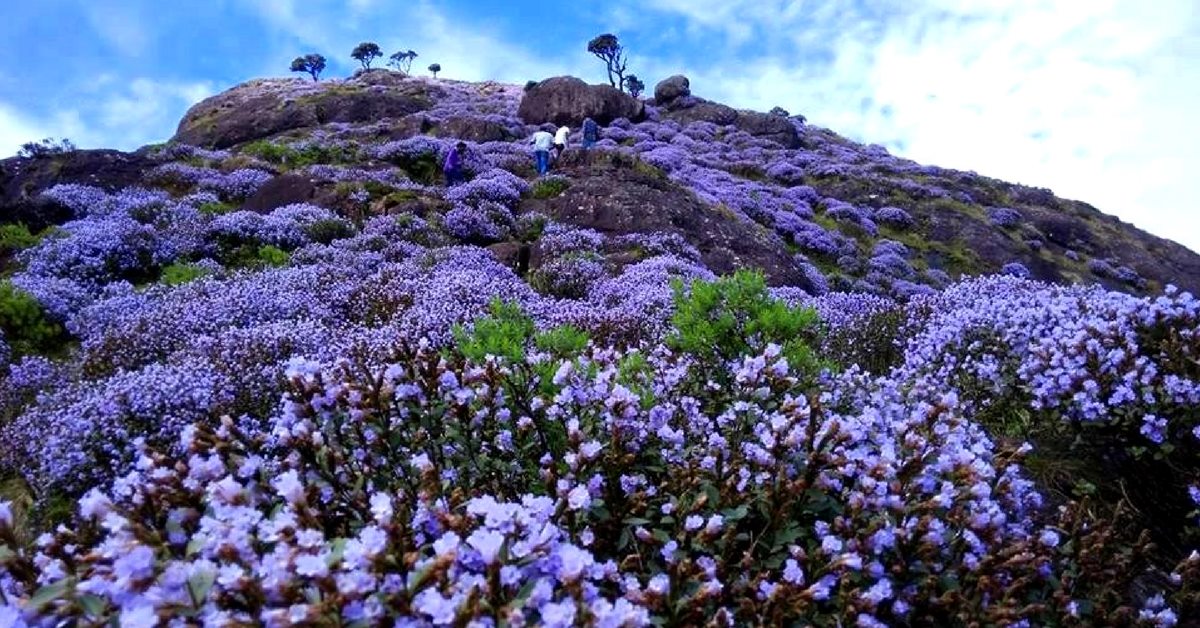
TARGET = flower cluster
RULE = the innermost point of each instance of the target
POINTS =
(448, 500)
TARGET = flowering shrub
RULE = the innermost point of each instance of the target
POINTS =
(1015, 269)
(496, 185)
(569, 276)
(894, 217)
(484, 489)
(1004, 217)
(1109, 368)
(487, 223)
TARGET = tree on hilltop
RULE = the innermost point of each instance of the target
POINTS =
(608, 49)
(314, 64)
(365, 53)
(46, 148)
(435, 68)
(634, 85)
(402, 60)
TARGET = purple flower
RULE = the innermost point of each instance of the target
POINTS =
(558, 614)
(487, 543)
(1154, 428)
(578, 498)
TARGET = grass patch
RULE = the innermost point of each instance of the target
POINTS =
(307, 155)
(180, 273)
(216, 208)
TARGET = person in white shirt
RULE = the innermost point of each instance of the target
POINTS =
(560, 141)
(542, 142)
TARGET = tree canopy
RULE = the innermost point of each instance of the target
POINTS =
(608, 49)
(402, 60)
(313, 63)
(365, 53)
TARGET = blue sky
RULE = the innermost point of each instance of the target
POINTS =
(1096, 100)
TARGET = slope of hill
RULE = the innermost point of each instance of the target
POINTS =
(810, 195)
(275, 371)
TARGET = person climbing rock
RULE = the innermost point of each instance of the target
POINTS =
(541, 151)
(591, 133)
(560, 141)
(453, 168)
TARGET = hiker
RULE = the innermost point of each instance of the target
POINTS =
(453, 168)
(541, 150)
(591, 133)
(560, 141)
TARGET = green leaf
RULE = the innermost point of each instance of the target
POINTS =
(49, 593)
(93, 605)
(200, 584)
(193, 546)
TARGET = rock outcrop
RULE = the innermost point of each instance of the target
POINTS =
(671, 88)
(611, 195)
(266, 107)
(674, 98)
(566, 100)
(23, 180)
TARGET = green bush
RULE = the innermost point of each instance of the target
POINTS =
(504, 333)
(328, 230)
(16, 237)
(734, 317)
(272, 256)
(549, 187)
(253, 256)
(180, 273)
(425, 169)
(507, 333)
(562, 342)
(26, 328)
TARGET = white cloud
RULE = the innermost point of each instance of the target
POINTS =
(16, 129)
(1094, 100)
(122, 116)
(466, 50)
(119, 24)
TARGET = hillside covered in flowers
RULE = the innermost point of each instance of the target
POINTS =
(723, 368)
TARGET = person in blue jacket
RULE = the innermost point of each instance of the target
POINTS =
(453, 168)
(591, 133)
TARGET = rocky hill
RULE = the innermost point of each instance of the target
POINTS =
(807, 206)
(276, 372)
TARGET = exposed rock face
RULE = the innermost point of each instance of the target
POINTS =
(775, 128)
(701, 111)
(473, 129)
(671, 88)
(686, 109)
(280, 191)
(612, 197)
(22, 180)
(263, 108)
(566, 100)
